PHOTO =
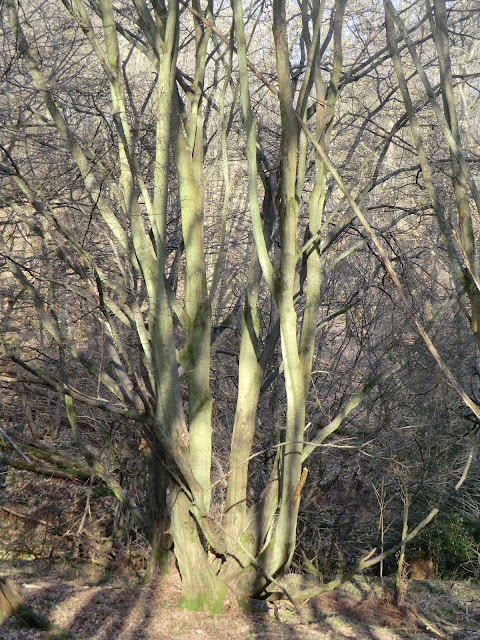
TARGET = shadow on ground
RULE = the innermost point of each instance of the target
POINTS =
(116, 609)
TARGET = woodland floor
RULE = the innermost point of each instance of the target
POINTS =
(84, 605)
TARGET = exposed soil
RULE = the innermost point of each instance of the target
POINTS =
(84, 605)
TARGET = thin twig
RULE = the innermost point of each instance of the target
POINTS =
(17, 449)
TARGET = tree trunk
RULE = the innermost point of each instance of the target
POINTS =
(401, 579)
(160, 560)
(201, 588)
(249, 380)
(10, 598)
(11, 604)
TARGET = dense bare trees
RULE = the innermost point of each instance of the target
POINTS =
(265, 183)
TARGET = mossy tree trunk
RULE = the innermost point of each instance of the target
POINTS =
(201, 588)
(11, 603)
(10, 598)
(297, 358)
(160, 560)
